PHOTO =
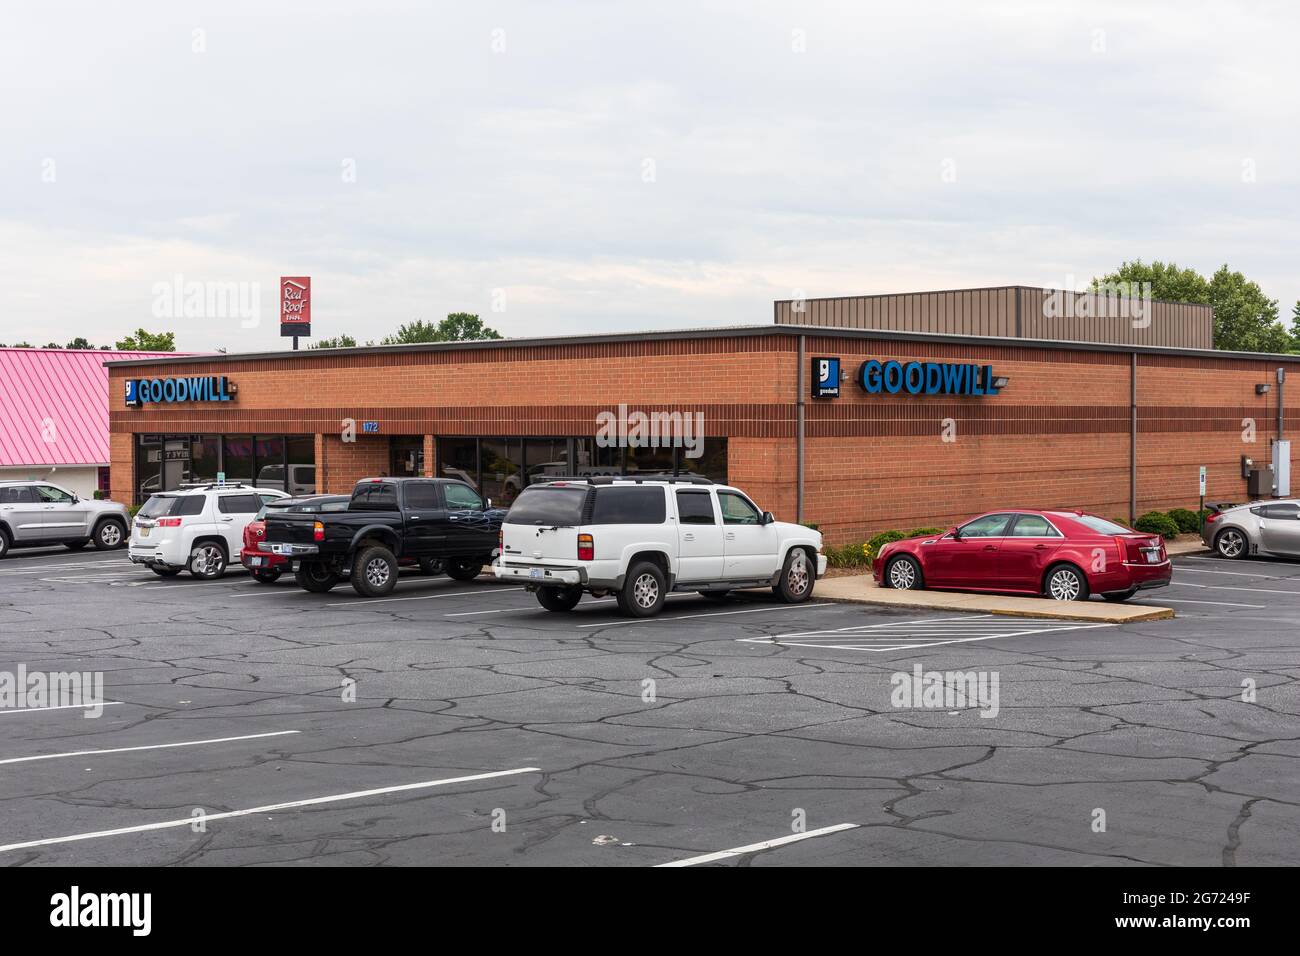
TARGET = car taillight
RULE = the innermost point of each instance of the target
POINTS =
(1213, 516)
(586, 548)
(169, 522)
(501, 541)
(318, 531)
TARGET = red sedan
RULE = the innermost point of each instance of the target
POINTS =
(1065, 555)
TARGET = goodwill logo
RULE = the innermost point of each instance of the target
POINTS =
(62, 689)
(826, 378)
(638, 429)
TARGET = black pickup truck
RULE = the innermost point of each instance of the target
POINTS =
(442, 524)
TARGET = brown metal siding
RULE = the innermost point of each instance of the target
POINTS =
(1012, 312)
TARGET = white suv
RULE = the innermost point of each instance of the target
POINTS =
(195, 529)
(639, 538)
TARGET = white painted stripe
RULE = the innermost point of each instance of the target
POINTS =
(754, 847)
(37, 710)
(123, 750)
(1294, 565)
(1216, 603)
(910, 645)
(366, 602)
(270, 808)
(1225, 587)
(37, 569)
(528, 610)
(1235, 574)
(687, 617)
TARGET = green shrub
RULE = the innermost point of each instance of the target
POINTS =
(846, 556)
(1157, 522)
(872, 547)
(1187, 521)
(924, 532)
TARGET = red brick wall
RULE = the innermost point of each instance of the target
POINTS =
(1057, 436)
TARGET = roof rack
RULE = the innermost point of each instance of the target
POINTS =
(209, 485)
(634, 479)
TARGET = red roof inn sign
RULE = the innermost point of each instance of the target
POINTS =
(295, 306)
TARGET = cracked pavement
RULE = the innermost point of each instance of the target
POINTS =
(1145, 722)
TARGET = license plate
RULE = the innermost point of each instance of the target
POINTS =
(536, 573)
(254, 562)
(1153, 557)
(144, 532)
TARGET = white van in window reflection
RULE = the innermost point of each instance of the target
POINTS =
(302, 479)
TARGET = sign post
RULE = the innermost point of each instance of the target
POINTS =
(295, 307)
(1200, 513)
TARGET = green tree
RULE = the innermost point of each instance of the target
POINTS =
(338, 342)
(1295, 327)
(143, 341)
(456, 327)
(79, 343)
(1245, 319)
(53, 345)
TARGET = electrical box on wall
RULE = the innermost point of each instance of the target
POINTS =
(1260, 483)
(1282, 467)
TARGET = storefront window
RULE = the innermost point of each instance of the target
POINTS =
(458, 458)
(546, 457)
(502, 469)
(237, 459)
(205, 458)
(269, 462)
(592, 459)
(648, 460)
(711, 464)
(301, 452)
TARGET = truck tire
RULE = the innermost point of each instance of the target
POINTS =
(430, 566)
(797, 578)
(463, 569)
(374, 572)
(559, 599)
(315, 578)
(643, 591)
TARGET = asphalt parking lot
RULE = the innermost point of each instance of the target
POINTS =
(461, 724)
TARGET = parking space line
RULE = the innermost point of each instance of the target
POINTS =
(364, 602)
(37, 710)
(1215, 603)
(755, 847)
(687, 617)
(60, 567)
(1226, 587)
(507, 610)
(1276, 564)
(863, 637)
(123, 750)
(1235, 574)
(270, 808)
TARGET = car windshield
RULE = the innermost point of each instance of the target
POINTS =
(272, 506)
(159, 505)
(1101, 525)
(551, 505)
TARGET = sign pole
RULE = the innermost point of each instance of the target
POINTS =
(1200, 512)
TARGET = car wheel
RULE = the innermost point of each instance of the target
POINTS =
(1231, 543)
(166, 572)
(315, 578)
(904, 574)
(4, 542)
(207, 561)
(266, 577)
(716, 596)
(1066, 583)
(374, 572)
(76, 545)
(1120, 595)
(797, 578)
(559, 599)
(109, 535)
(464, 569)
(643, 590)
(430, 566)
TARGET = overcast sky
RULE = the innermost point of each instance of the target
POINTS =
(625, 166)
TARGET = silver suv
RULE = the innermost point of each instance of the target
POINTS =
(35, 513)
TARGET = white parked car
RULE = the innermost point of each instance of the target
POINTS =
(36, 513)
(640, 538)
(195, 529)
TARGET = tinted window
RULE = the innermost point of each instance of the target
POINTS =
(189, 505)
(337, 504)
(1101, 525)
(630, 506)
(162, 505)
(737, 509)
(549, 506)
(239, 504)
(421, 495)
(1284, 512)
(462, 497)
(53, 495)
(695, 507)
(21, 495)
(990, 526)
(374, 496)
(1033, 526)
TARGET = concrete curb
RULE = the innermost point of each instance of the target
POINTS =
(1040, 608)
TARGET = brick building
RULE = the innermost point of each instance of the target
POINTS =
(1112, 427)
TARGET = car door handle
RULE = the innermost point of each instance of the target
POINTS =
(453, 517)
(990, 547)
(731, 536)
(688, 537)
(1040, 547)
(228, 518)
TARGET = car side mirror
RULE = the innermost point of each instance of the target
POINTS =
(956, 534)
(768, 517)
(487, 504)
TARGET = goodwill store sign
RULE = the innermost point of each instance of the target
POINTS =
(203, 388)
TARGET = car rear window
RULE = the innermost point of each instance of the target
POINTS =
(239, 504)
(374, 496)
(549, 505)
(160, 506)
(629, 506)
(1101, 525)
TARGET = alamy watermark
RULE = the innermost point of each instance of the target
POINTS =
(638, 429)
(946, 690)
(1102, 300)
(38, 690)
(181, 299)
